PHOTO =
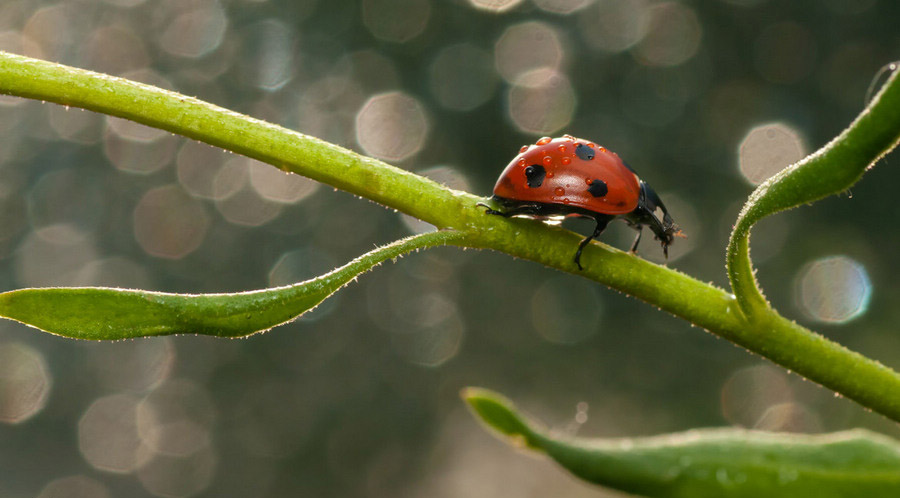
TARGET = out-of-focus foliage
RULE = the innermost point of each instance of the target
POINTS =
(361, 400)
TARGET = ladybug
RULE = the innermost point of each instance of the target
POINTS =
(568, 176)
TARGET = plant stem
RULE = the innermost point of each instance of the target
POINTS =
(709, 307)
(833, 169)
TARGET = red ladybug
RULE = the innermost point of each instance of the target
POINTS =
(569, 176)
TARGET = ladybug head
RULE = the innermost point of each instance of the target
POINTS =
(646, 213)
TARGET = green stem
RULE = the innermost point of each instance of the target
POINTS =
(833, 169)
(709, 307)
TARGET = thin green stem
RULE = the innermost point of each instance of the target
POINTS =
(831, 170)
(709, 307)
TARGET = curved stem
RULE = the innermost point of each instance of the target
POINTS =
(707, 306)
(831, 170)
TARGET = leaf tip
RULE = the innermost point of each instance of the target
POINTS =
(499, 413)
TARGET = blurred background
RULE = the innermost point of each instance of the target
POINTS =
(361, 397)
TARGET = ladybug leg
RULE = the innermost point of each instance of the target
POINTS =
(663, 234)
(637, 240)
(488, 209)
(645, 214)
(601, 225)
(524, 209)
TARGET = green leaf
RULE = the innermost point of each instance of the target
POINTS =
(104, 313)
(712, 462)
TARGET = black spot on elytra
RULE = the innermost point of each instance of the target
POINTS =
(534, 175)
(584, 152)
(598, 188)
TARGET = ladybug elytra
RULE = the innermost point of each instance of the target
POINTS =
(568, 176)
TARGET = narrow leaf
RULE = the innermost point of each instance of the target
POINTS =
(104, 313)
(712, 462)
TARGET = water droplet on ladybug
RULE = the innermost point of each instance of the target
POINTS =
(565, 161)
(544, 141)
(561, 149)
(547, 160)
(559, 191)
(521, 163)
(549, 174)
(588, 181)
(591, 144)
(523, 149)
